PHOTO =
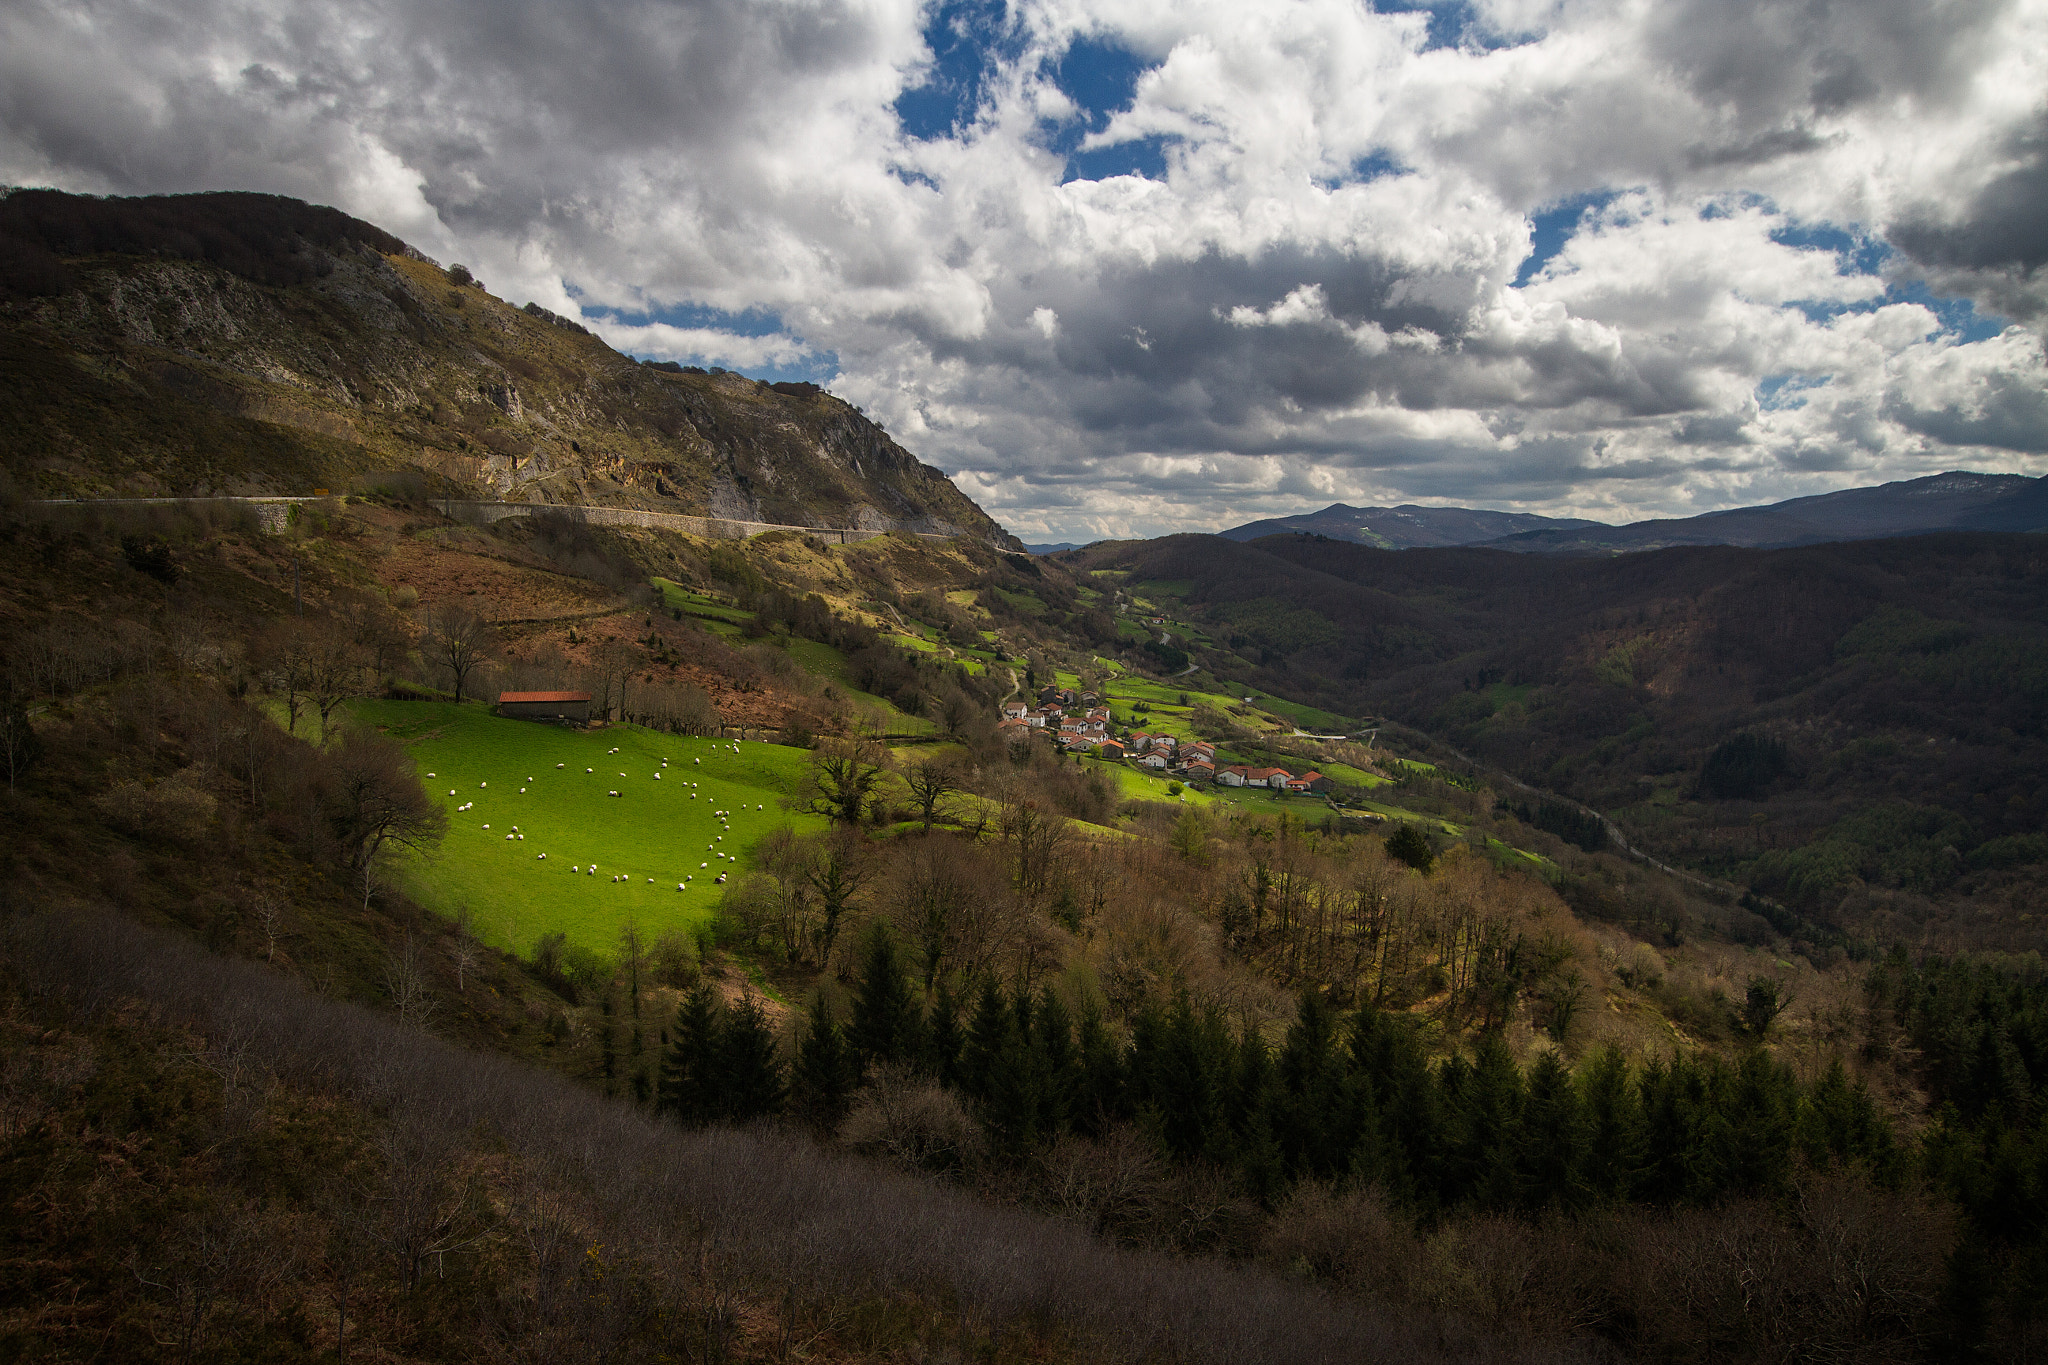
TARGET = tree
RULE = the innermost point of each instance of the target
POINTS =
(335, 668)
(826, 1070)
(20, 746)
(285, 659)
(374, 801)
(930, 783)
(932, 902)
(458, 642)
(837, 876)
(886, 1020)
(1412, 847)
(690, 1068)
(843, 778)
(1762, 1003)
(751, 1083)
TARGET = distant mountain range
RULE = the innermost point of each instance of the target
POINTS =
(1956, 501)
(1406, 527)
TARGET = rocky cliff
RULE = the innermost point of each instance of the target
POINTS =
(237, 344)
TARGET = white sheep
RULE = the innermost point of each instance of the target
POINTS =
(561, 765)
(510, 837)
(522, 791)
(483, 784)
(486, 826)
(429, 774)
(522, 838)
(590, 770)
(451, 791)
(657, 777)
(541, 858)
(721, 879)
(696, 760)
(593, 870)
(703, 865)
(679, 886)
(614, 793)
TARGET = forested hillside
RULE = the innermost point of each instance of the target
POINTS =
(1854, 731)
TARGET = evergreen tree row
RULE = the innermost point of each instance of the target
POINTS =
(1340, 1099)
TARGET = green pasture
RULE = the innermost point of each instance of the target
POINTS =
(656, 832)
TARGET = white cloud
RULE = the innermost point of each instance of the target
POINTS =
(1317, 302)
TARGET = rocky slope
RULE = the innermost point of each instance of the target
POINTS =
(237, 344)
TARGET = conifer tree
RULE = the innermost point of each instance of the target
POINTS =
(987, 1034)
(690, 1067)
(942, 1040)
(1059, 1064)
(1614, 1122)
(884, 1028)
(1102, 1099)
(1554, 1138)
(826, 1070)
(749, 1071)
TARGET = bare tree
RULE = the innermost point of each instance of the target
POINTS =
(335, 671)
(285, 660)
(411, 989)
(837, 876)
(19, 744)
(465, 954)
(375, 801)
(931, 782)
(843, 778)
(459, 642)
(268, 909)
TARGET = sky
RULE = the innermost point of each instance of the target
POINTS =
(1129, 267)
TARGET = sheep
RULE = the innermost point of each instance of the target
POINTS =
(510, 837)
(593, 871)
(696, 760)
(451, 791)
(483, 784)
(721, 879)
(561, 765)
(590, 770)
(522, 791)
(522, 838)
(486, 826)
(679, 886)
(703, 865)
(430, 774)
(614, 793)
(541, 858)
(657, 777)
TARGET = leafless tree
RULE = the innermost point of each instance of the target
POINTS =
(267, 907)
(285, 659)
(930, 783)
(465, 954)
(843, 777)
(410, 987)
(375, 801)
(459, 642)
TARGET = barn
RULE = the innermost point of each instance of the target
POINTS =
(571, 707)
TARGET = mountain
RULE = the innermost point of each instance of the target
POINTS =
(1057, 547)
(1406, 527)
(238, 344)
(1956, 501)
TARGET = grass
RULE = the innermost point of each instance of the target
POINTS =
(1324, 721)
(654, 829)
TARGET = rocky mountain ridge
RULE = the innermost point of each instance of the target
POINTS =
(167, 347)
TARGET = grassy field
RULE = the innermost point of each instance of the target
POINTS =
(655, 829)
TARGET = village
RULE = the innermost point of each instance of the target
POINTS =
(1081, 723)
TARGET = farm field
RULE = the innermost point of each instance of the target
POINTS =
(664, 830)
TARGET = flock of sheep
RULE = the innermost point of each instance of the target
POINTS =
(724, 818)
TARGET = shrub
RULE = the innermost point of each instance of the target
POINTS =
(1411, 846)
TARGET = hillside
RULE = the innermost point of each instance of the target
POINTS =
(1896, 687)
(1956, 501)
(1407, 527)
(1189, 949)
(199, 345)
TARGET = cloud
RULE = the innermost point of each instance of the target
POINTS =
(1132, 266)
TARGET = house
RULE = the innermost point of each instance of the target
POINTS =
(1014, 710)
(1200, 771)
(1198, 749)
(1014, 730)
(1110, 748)
(1166, 742)
(1233, 776)
(1276, 778)
(1141, 740)
(1308, 782)
(1087, 698)
(1154, 760)
(570, 707)
(1038, 720)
